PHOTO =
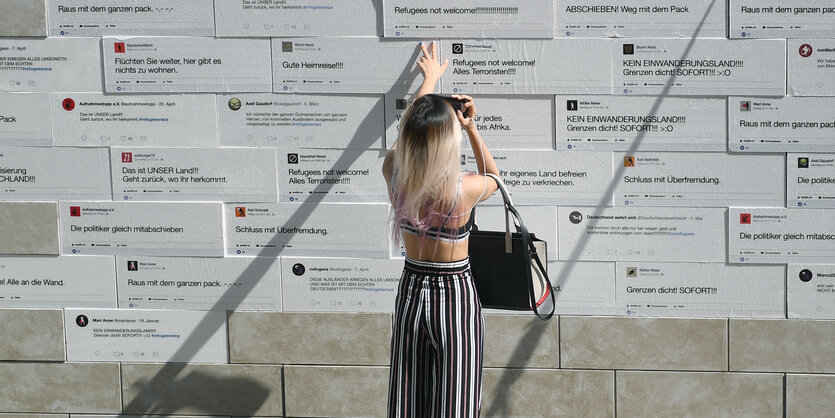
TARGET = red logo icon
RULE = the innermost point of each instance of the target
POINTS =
(75, 210)
(68, 104)
(745, 218)
(119, 47)
(240, 212)
(805, 50)
(127, 157)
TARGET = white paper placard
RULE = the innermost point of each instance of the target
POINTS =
(95, 119)
(308, 230)
(54, 174)
(145, 336)
(298, 18)
(340, 284)
(189, 174)
(327, 175)
(641, 234)
(583, 288)
(706, 67)
(506, 122)
(706, 179)
(57, 282)
(186, 65)
(223, 284)
(700, 290)
(340, 65)
(140, 228)
(515, 66)
(51, 64)
(810, 180)
(470, 18)
(130, 18)
(24, 119)
(641, 19)
(309, 121)
(772, 124)
(811, 67)
(540, 221)
(779, 236)
(811, 291)
(779, 19)
(552, 177)
(620, 123)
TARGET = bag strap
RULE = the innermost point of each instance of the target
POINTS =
(528, 248)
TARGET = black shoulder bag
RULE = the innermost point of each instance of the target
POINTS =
(508, 268)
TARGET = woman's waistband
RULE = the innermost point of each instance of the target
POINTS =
(442, 267)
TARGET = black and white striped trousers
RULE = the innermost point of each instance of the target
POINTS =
(437, 344)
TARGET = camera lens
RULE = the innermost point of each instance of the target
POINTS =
(805, 275)
(298, 269)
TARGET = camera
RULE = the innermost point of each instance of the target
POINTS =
(805, 275)
(457, 104)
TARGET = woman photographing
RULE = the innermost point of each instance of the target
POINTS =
(437, 342)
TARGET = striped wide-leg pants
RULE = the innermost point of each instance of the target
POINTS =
(437, 343)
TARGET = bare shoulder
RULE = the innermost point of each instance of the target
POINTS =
(388, 165)
(477, 188)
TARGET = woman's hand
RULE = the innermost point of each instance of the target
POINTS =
(469, 110)
(429, 65)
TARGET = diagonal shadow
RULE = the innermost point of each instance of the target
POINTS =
(501, 397)
(167, 376)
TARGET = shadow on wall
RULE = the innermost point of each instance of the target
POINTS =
(147, 401)
(499, 402)
(240, 396)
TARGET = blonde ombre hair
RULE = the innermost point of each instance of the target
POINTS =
(427, 163)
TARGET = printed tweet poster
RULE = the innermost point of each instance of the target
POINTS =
(620, 123)
(194, 174)
(57, 282)
(641, 234)
(551, 177)
(507, 122)
(469, 18)
(24, 119)
(186, 65)
(811, 181)
(641, 19)
(540, 221)
(141, 228)
(340, 284)
(529, 66)
(583, 288)
(341, 65)
(308, 230)
(95, 119)
(309, 121)
(38, 173)
(778, 19)
(811, 67)
(700, 290)
(784, 124)
(811, 291)
(780, 236)
(50, 64)
(331, 175)
(266, 18)
(222, 284)
(708, 179)
(701, 67)
(145, 336)
(130, 18)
